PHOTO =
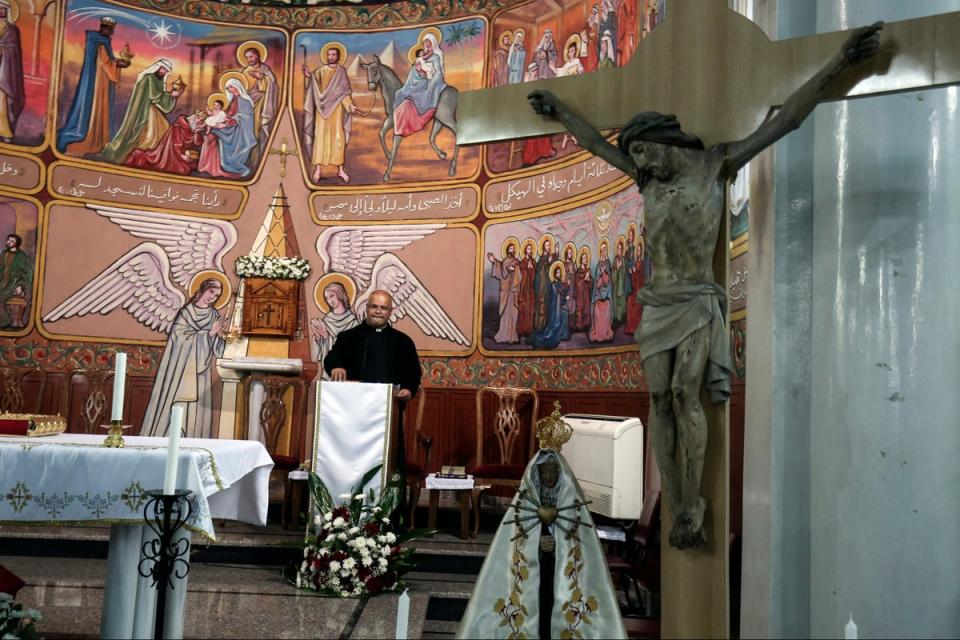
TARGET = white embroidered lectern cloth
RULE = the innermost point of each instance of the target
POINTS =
(351, 434)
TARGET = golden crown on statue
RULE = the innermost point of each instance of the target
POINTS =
(553, 432)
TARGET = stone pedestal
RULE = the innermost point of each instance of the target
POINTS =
(232, 370)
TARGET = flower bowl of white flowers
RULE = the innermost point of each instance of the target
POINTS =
(273, 267)
(355, 548)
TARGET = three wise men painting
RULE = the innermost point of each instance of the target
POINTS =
(380, 106)
(568, 281)
(141, 90)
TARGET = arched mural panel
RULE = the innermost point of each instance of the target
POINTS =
(151, 91)
(380, 106)
(563, 282)
(19, 218)
(430, 269)
(28, 46)
(125, 274)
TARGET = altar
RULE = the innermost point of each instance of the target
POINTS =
(71, 478)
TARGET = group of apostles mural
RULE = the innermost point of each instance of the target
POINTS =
(548, 292)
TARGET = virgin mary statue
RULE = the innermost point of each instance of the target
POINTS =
(545, 575)
(184, 375)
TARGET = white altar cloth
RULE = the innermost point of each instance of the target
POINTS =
(71, 478)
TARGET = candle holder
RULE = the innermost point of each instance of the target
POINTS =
(114, 439)
(163, 558)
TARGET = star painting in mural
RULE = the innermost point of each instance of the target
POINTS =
(364, 254)
(163, 34)
(149, 281)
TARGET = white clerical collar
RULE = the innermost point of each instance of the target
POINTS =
(379, 329)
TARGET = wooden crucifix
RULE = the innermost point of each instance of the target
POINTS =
(725, 102)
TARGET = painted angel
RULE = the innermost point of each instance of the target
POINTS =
(182, 254)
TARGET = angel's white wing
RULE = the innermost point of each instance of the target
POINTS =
(137, 282)
(410, 298)
(193, 244)
(353, 250)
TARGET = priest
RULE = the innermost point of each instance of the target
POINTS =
(373, 351)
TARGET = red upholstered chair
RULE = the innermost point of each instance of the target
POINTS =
(418, 461)
(638, 566)
(505, 442)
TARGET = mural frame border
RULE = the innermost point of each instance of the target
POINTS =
(41, 179)
(243, 191)
(471, 185)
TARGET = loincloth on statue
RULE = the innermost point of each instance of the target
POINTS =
(671, 313)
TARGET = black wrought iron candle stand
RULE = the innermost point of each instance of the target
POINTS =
(162, 558)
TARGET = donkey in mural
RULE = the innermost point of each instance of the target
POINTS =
(380, 76)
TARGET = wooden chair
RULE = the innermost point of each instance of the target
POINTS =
(272, 417)
(94, 383)
(13, 384)
(416, 472)
(638, 565)
(505, 467)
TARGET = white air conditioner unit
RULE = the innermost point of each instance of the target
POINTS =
(606, 456)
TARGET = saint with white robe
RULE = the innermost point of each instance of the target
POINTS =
(340, 317)
(184, 374)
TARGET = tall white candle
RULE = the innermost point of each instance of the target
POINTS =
(850, 630)
(173, 450)
(119, 377)
(403, 615)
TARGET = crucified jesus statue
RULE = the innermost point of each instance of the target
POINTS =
(682, 336)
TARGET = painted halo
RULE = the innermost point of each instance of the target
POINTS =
(511, 240)
(333, 44)
(230, 75)
(251, 44)
(13, 10)
(563, 271)
(604, 244)
(226, 289)
(547, 236)
(523, 247)
(506, 33)
(329, 279)
(213, 97)
(574, 40)
(584, 250)
(621, 240)
(568, 245)
(636, 231)
(412, 51)
(520, 32)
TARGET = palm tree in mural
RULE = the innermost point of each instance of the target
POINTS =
(460, 35)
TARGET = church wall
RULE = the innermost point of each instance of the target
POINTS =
(861, 516)
(89, 218)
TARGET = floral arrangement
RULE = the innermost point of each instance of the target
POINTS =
(274, 267)
(354, 549)
(15, 621)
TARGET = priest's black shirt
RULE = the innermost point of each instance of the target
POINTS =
(368, 355)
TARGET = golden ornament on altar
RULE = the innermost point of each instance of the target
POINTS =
(553, 431)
